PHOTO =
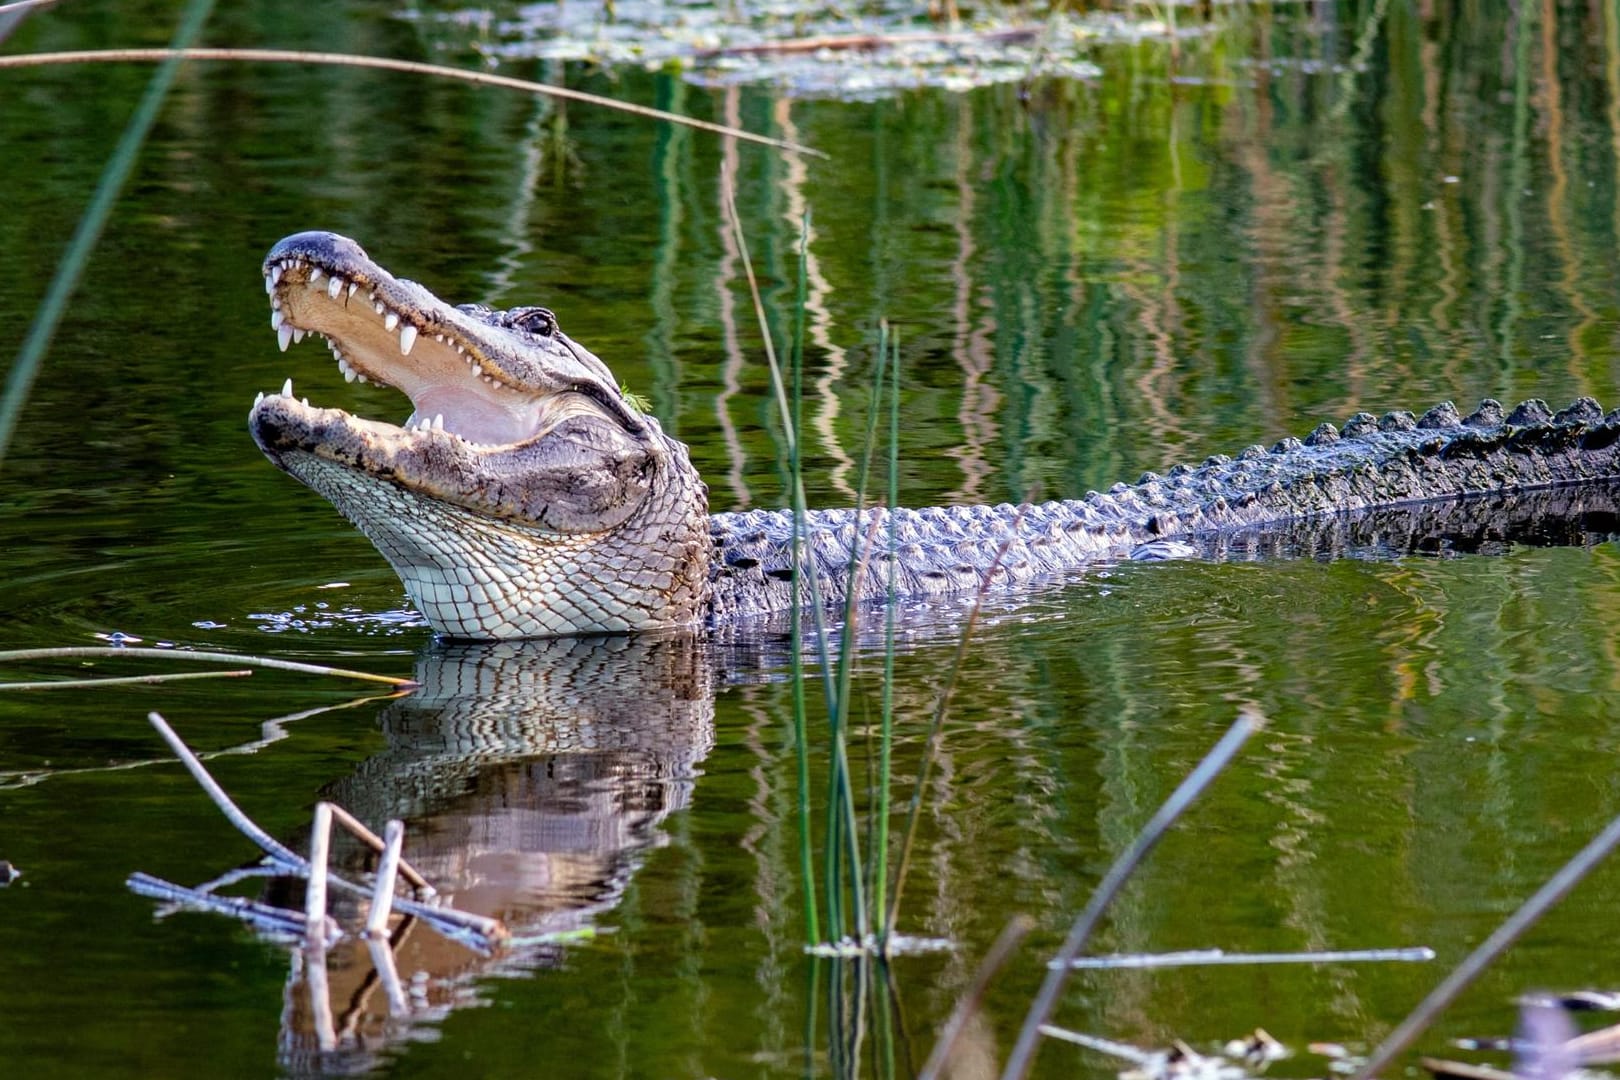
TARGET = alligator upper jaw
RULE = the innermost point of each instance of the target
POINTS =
(461, 375)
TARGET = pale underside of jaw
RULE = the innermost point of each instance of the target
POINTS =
(372, 342)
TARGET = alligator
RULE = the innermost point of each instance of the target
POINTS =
(529, 496)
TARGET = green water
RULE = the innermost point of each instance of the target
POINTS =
(1311, 213)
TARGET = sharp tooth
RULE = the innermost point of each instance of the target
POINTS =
(275, 274)
(334, 287)
(390, 321)
(275, 302)
(361, 377)
(284, 335)
(269, 286)
(259, 398)
(407, 338)
(298, 335)
(349, 373)
(378, 304)
(315, 274)
(275, 319)
(439, 338)
(286, 387)
(438, 422)
(352, 287)
(306, 403)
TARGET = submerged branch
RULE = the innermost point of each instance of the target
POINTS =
(1216, 957)
(123, 680)
(386, 63)
(70, 651)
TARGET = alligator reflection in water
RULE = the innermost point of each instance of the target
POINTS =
(531, 778)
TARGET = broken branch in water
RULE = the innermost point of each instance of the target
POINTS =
(476, 931)
(123, 651)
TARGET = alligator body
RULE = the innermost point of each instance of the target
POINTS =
(527, 497)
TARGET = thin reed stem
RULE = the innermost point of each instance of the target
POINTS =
(386, 63)
(1023, 1054)
(890, 339)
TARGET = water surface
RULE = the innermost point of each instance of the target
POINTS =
(1308, 214)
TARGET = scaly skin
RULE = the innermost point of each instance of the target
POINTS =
(527, 497)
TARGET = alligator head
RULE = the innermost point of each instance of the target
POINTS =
(525, 496)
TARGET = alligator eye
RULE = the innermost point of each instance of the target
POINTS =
(537, 321)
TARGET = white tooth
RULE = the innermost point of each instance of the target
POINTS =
(390, 321)
(275, 302)
(361, 377)
(275, 319)
(439, 338)
(349, 373)
(306, 403)
(284, 335)
(259, 398)
(286, 387)
(378, 304)
(275, 273)
(298, 335)
(438, 422)
(269, 286)
(315, 274)
(352, 287)
(407, 338)
(334, 287)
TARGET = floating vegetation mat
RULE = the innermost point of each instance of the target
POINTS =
(853, 53)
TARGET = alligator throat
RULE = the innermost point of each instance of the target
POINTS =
(525, 496)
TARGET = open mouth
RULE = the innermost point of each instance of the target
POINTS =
(487, 378)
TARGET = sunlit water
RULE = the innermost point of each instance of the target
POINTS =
(1306, 217)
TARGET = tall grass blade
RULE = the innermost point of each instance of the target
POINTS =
(790, 428)
(49, 316)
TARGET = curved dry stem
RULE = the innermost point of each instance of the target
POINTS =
(386, 63)
(68, 651)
